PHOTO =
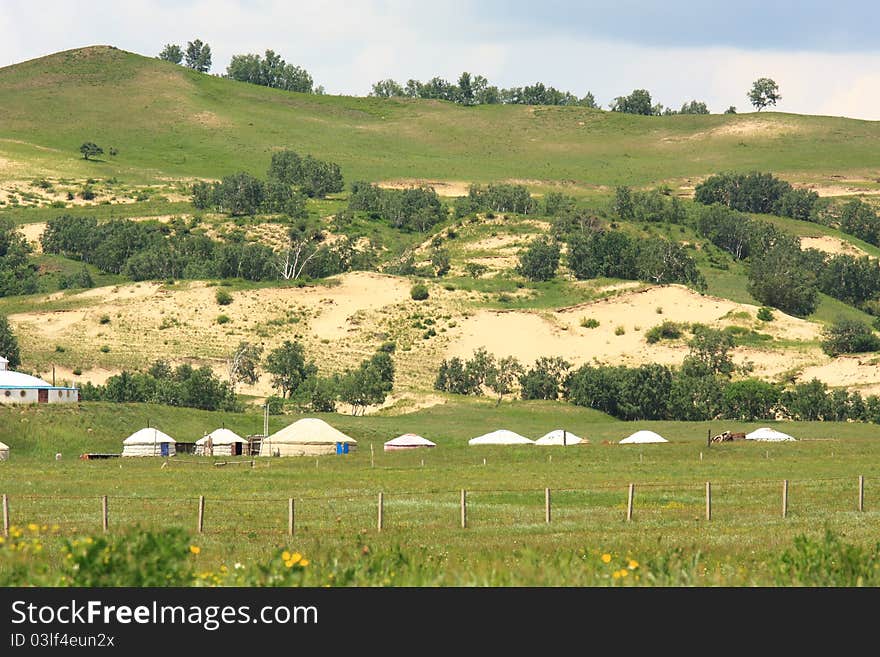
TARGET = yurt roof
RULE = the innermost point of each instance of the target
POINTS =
(557, 436)
(310, 430)
(501, 437)
(768, 434)
(644, 436)
(10, 379)
(148, 436)
(410, 440)
(221, 437)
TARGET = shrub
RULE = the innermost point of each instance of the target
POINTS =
(849, 336)
(765, 314)
(223, 319)
(589, 322)
(77, 371)
(665, 331)
(105, 349)
(224, 298)
(59, 349)
(619, 330)
(419, 292)
(828, 562)
(105, 319)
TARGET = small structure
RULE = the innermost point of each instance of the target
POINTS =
(501, 437)
(20, 388)
(4, 452)
(728, 437)
(221, 442)
(149, 442)
(766, 434)
(307, 437)
(643, 437)
(407, 441)
(560, 437)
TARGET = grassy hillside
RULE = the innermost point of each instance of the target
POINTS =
(168, 121)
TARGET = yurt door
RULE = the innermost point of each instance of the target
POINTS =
(164, 447)
(43, 396)
(236, 449)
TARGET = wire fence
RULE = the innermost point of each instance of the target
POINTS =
(655, 502)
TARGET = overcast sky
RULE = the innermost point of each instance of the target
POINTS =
(824, 56)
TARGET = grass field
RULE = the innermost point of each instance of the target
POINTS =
(507, 539)
(168, 121)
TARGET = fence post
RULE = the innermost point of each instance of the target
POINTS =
(5, 515)
(861, 492)
(201, 522)
(105, 519)
(708, 500)
(785, 498)
(463, 508)
(290, 516)
(629, 502)
(547, 505)
(380, 520)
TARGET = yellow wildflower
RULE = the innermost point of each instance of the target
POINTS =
(624, 572)
(633, 564)
(616, 574)
(285, 556)
(304, 563)
(195, 549)
(33, 527)
(2, 540)
(293, 559)
(606, 558)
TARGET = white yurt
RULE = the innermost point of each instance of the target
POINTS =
(407, 441)
(767, 434)
(307, 437)
(221, 442)
(560, 437)
(643, 437)
(501, 437)
(4, 452)
(148, 442)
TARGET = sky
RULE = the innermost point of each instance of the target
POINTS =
(824, 56)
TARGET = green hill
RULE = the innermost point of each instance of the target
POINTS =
(168, 121)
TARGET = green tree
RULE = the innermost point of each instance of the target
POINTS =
(849, 336)
(362, 387)
(387, 89)
(764, 92)
(198, 56)
(638, 102)
(504, 377)
(289, 367)
(17, 274)
(90, 149)
(440, 261)
(544, 379)
(694, 107)
(323, 394)
(780, 278)
(171, 53)
(589, 101)
(750, 399)
(9, 348)
(540, 260)
(709, 353)
(243, 364)
(730, 110)
(807, 402)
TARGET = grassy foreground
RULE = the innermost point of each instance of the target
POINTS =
(507, 540)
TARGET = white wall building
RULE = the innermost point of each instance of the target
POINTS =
(19, 388)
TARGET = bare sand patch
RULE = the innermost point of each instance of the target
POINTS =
(831, 245)
(447, 188)
(496, 243)
(845, 371)
(32, 233)
(843, 190)
(528, 335)
(753, 126)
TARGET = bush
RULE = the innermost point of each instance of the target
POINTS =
(105, 349)
(224, 298)
(419, 292)
(848, 336)
(223, 319)
(665, 331)
(828, 562)
(77, 371)
(765, 314)
(619, 330)
(589, 322)
(105, 319)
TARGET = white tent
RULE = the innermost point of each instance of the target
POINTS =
(4, 452)
(306, 437)
(148, 442)
(559, 437)
(768, 435)
(407, 441)
(643, 437)
(220, 442)
(501, 437)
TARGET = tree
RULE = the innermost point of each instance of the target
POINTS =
(198, 56)
(363, 387)
(849, 336)
(303, 244)
(9, 348)
(730, 110)
(242, 364)
(440, 261)
(504, 376)
(807, 402)
(779, 277)
(764, 92)
(638, 102)
(289, 367)
(171, 53)
(322, 396)
(590, 101)
(540, 260)
(90, 149)
(17, 274)
(694, 107)
(387, 89)
(709, 353)
(750, 399)
(544, 379)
